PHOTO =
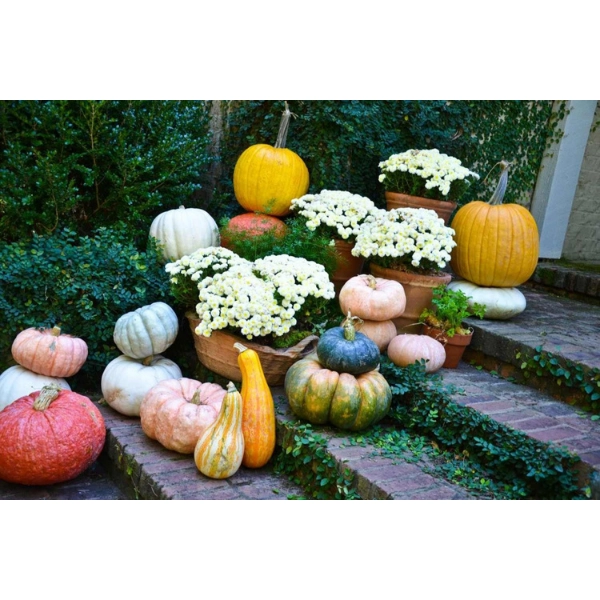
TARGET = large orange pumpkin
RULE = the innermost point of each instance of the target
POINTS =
(497, 245)
(251, 224)
(50, 436)
(267, 178)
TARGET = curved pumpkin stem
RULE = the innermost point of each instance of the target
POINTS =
(47, 395)
(350, 327)
(498, 195)
(240, 347)
(283, 127)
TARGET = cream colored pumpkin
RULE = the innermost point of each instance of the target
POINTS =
(18, 381)
(176, 412)
(146, 331)
(125, 381)
(182, 230)
(500, 303)
(372, 298)
(381, 332)
(408, 348)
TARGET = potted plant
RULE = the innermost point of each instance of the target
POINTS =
(425, 179)
(338, 214)
(271, 305)
(444, 321)
(411, 246)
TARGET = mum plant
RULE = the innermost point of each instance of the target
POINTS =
(407, 239)
(275, 300)
(426, 173)
(339, 214)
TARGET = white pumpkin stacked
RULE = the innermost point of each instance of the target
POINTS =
(141, 335)
(376, 301)
(43, 356)
(182, 230)
(500, 303)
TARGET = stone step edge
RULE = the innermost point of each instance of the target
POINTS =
(505, 356)
(580, 285)
(375, 477)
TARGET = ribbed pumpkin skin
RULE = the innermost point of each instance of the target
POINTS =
(17, 381)
(266, 179)
(146, 331)
(356, 356)
(220, 450)
(380, 332)
(169, 415)
(125, 381)
(496, 245)
(183, 230)
(408, 348)
(49, 352)
(42, 447)
(322, 396)
(258, 421)
(372, 298)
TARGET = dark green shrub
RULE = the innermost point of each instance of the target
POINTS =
(89, 164)
(83, 284)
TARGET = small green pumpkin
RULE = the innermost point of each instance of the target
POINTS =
(345, 350)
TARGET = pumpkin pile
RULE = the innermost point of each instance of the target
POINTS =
(497, 249)
(141, 335)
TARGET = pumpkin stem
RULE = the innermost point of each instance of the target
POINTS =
(371, 282)
(55, 331)
(196, 397)
(231, 387)
(498, 195)
(283, 127)
(350, 328)
(240, 347)
(47, 395)
(147, 361)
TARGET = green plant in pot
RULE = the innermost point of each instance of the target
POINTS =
(444, 321)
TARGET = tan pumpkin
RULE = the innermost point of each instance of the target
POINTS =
(176, 412)
(408, 348)
(125, 381)
(497, 245)
(381, 332)
(220, 450)
(182, 230)
(17, 381)
(372, 298)
(267, 178)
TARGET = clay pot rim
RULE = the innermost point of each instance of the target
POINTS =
(403, 196)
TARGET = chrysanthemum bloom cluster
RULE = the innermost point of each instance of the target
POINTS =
(261, 298)
(186, 272)
(426, 173)
(412, 238)
(342, 212)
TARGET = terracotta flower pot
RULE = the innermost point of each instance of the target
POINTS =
(455, 346)
(419, 294)
(443, 208)
(348, 266)
(218, 354)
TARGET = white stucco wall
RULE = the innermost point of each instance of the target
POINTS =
(582, 241)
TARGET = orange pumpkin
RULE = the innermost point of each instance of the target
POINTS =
(49, 352)
(267, 178)
(258, 421)
(176, 412)
(381, 332)
(497, 245)
(251, 224)
(372, 298)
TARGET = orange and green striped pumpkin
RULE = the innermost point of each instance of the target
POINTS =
(320, 396)
(267, 178)
(219, 451)
(497, 245)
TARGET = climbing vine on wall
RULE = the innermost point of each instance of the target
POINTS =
(342, 142)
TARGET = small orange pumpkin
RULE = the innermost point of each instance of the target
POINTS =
(381, 332)
(49, 352)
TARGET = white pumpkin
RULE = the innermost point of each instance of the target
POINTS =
(146, 331)
(182, 230)
(500, 303)
(18, 381)
(125, 381)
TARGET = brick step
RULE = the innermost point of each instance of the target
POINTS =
(572, 281)
(150, 471)
(566, 328)
(534, 413)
